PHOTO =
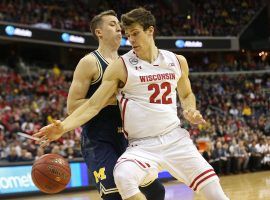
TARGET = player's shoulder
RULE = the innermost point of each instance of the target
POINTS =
(87, 66)
(129, 54)
(167, 53)
(88, 59)
(181, 58)
(183, 63)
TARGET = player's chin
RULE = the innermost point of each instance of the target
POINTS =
(117, 41)
(118, 38)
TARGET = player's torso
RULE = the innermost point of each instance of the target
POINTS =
(107, 125)
(148, 99)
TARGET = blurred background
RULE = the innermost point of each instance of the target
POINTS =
(227, 46)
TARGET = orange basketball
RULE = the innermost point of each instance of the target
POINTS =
(51, 173)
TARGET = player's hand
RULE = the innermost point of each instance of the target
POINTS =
(193, 116)
(50, 133)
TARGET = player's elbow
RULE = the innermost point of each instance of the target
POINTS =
(70, 109)
(186, 95)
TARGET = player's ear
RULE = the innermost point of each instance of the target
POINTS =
(151, 30)
(98, 32)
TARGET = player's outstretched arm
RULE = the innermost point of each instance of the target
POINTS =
(186, 96)
(114, 75)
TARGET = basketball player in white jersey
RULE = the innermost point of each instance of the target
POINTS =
(102, 141)
(145, 80)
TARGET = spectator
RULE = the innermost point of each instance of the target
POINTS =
(213, 18)
(221, 159)
(255, 157)
(13, 155)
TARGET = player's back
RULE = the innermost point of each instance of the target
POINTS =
(106, 127)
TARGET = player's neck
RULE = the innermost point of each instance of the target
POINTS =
(150, 55)
(109, 53)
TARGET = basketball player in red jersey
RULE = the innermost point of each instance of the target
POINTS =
(145, 80)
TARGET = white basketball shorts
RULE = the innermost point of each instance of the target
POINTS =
(174, 152)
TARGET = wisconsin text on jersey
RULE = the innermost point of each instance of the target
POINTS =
(155, 77)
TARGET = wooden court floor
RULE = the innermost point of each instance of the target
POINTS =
(250, 186)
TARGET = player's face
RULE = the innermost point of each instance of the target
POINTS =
(139, 39)
(110, 30)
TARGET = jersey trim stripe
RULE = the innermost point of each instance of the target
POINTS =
(100, 70)
(179, 63)
(140, 163)
(126, 72)
(201, 178)
(194, 180)
(102, 57)
(122, 98)
(123, 115)
(105, 191)
(204, 179)
(147, 184)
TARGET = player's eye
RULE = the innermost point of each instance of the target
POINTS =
(135, 33)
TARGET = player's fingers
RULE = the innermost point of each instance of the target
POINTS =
(39, 134)
(185, 112)
(56, 122)
(196, 114)
(45, 128)
(190, 113)
(197, 117)
(199, 121)
(187, 117)
(43, 138)
(44, 143)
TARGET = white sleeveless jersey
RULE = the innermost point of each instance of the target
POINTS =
(148, 99)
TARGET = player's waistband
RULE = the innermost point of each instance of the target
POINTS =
(170, 137)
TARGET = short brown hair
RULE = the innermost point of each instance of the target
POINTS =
(139, 15)
(97, 21)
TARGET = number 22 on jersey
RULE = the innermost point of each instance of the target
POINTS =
(157, 89)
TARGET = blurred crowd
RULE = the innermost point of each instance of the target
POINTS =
(237, 111)
(229, 63)
(27, 103)
(236, 108)
(174, 18)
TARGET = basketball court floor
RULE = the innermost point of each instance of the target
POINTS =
(250, 186)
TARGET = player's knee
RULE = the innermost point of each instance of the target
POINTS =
(118, 175)
(122, 175)
(127, 179)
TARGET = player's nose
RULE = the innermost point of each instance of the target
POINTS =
(132, 41)
(118, 28)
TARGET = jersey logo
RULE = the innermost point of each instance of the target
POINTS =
(100, 175)
(133, 61)
(138, 68)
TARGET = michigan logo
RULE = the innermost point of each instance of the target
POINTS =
(100, 175)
